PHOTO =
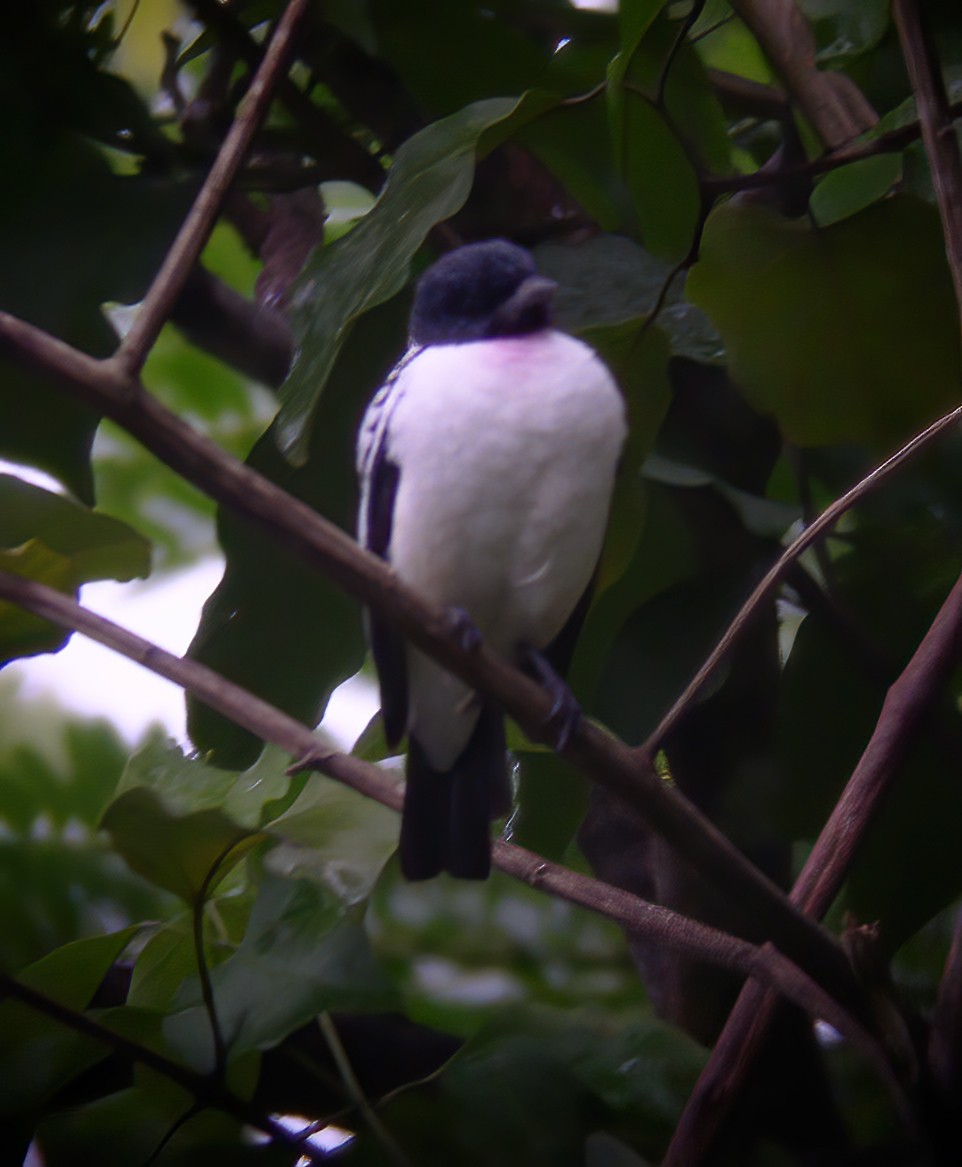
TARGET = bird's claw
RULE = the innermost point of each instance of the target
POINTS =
(564, 716)
(462, 630)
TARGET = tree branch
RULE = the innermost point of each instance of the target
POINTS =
(628, 773)
(763, 590)
(206, 1091)
(831, 102)
(633, 914)
(907, 705)
(938, 132)
(252, 338)
(185, 251)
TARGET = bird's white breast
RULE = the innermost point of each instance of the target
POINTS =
(507, 451)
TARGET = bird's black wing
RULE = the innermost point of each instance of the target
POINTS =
(379, 483)
(560, 651)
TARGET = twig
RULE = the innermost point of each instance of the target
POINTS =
(891, 142)
(186, 249)
(938, 132)
(904, 711)
(289, 521)
(355, 1092)
(825, 521)
(206, 1091)
(635, 915)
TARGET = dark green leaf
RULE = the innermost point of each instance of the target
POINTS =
(39, 1054)
(826, 329)
(851, 189)
(429, 181)
(300, 956)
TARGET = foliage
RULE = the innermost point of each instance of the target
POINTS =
(780, 320)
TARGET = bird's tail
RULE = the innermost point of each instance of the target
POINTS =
(446, 825)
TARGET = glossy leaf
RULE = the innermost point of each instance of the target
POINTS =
(825, 329)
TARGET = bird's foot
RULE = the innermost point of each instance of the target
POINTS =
(462, 630)
(564, 717)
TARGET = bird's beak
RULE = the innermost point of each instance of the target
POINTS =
(529, 306)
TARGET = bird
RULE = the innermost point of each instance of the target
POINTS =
(486, 465)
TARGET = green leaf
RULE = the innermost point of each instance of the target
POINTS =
(185, 854)
(852, 188)
(63, 259)
(95, 545)
(300, 956)
(57, 541)
(186, 784)
(846, 334)
(333, 834)
(38, 1054)
(275, 625)
(429, 180)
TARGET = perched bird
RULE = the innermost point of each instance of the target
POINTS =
(486, 463)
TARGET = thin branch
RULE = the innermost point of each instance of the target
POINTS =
(186, 249)
(206, 1091)
(938, 132)
(890, 142)
(635, 915)
(763, 591)
(356, 1093)
(371, 581)
(907, 706)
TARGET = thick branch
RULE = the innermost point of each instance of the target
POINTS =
(938, 132)
(369, 580)
(252, 338)
(186, 249)
(831, 102)
(633, 914)
(907, 706)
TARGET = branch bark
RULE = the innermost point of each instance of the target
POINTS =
(938, 131)
(626, 772)
(907, 705)
(185, 251)
(832, 103)
(630, 912)
(206, 1091)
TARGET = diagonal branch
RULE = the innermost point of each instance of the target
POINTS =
(831, 101)
(938, 132)
(633, 914)
(186, 249)
(908, 704)
(206, 1091)
(371, 581)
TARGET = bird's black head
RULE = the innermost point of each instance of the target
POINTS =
(478, 291)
